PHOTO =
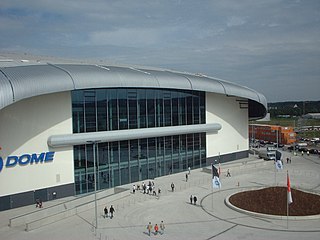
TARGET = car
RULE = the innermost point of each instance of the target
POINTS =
(313, 151)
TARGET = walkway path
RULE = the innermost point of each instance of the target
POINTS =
(209, 219)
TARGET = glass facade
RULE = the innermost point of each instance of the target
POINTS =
(129, 161)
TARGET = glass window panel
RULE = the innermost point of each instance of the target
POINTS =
(182, 109)
(143, 148)
(175, 111)
(124, 154)
(79, 157)
(113, 109)
(133, 107)
(103, 154)
(203, 107)
(123, 110)
(167, 108)
(196, 109)
(102, 110)
(90, 110)
(77, 111)
(134, 163)
(152, 157)
(159, 108)
(114, 153)
(142, 108)
(151, 108)
(168, 155)
(189, 109)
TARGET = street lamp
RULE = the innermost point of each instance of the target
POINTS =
(94, 143)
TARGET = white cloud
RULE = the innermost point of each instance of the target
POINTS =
(235, 21)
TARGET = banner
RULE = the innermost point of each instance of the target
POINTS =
(279, 165)
(215, 178)
(289, 190)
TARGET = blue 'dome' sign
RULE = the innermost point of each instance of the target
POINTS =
(25, 159)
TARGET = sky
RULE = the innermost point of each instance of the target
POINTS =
(271, 46)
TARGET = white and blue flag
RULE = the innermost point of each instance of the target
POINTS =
(279, 165)
(215, 178)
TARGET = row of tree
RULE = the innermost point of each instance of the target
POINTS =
(293, 108)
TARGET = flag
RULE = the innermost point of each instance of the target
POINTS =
(215, 178)
(279, 165)
(289, 190)
(278, 155)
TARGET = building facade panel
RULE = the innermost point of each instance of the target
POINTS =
(233, 137)
(25, 128)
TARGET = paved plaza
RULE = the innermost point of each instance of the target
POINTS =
(210, 218)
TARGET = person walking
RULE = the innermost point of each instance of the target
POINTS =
(149, 228)
(191, 198)
(111, 211)
(228, 173)
(105, 212)
(172, 187)
(195, 200)
(186, 177)
(162, 227)
(156, 229)
(189, 169)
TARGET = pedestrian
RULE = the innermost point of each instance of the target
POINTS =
(105, 212)
(111, 211)
(37, 203)
(144, 188)
(162, 227)
(172, 187)
(186, 177)
(134, 189)
(228, 173)
(156, 229)
(189, 169)
(195, 200)
(191, 198)
(149, 228)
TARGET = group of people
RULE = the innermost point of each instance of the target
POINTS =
(38, 203)
(106, 212)
(157, 229)
(193, 199)
(147, 189)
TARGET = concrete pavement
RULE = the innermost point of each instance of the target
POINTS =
(209, 219)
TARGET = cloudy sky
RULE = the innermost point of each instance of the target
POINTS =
(272, 46)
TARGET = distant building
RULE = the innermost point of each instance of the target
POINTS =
(312, 116)
(272, 133)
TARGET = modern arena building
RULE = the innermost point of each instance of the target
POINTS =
(138, 123)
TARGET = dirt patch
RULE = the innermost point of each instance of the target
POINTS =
(273, 200)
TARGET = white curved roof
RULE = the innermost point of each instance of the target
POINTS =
(21, 81)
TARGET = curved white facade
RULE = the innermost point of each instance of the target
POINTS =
(30, 117)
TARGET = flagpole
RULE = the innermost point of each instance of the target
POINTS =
(212, 186)
(275, 174)
(287, 204)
